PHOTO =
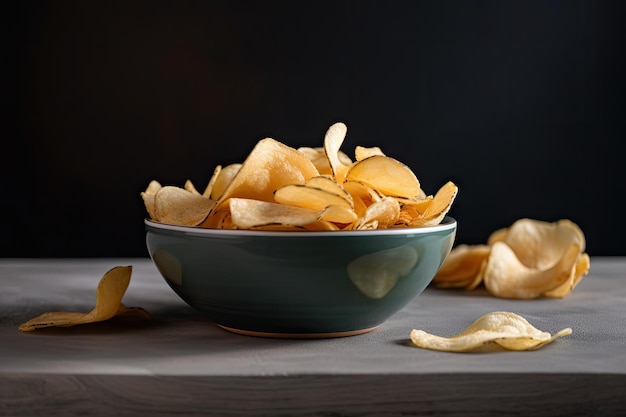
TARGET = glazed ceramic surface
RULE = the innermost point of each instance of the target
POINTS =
(298, 284)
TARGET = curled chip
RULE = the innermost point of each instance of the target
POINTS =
(529, 259)
(109, 293)
(310, 188)
(499, 330)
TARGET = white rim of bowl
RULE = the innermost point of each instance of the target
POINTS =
(447, 224)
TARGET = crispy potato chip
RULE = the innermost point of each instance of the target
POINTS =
(269, 166)
(223, 179)
(248, 213)
(311, 197)
(327, 183)
(189, 186)
(529, 259)
(386, 175)
(384, 212)
(437, 209)
(499, 330)
(580, 269)
(208, 190)
(361, 152)
(109, 293)
(338, 214)
(461, 266)
(333, 140)
(540, 244)
(318, 157)
(148, 197)
(504, 275)
(175, 205)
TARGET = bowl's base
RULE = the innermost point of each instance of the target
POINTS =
(298, 335)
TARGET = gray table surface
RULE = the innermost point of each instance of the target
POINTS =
(179, 363)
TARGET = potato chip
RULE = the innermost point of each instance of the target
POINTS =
(208, 190)
(436, 209)
(269, 166)
(222, 179)
(148, 197)
(317, 155)
(248, 213)
(333, 140)
(109, 293)
(384, 213)
(461, 266)
(504, 275)
(338, 214)
(529, 259)
(175, 205)
(386, 175)
(189, 186)
(497, 330)
(361, 152)
(311, 197)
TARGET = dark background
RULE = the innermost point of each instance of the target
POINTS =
(520, 103)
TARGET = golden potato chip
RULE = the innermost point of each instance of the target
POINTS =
(318, 157)
(504, 275)
(540, 244)
(580, 269)
(438, 207)
(189, 186)
(361, 152)
(462, 266)
(529, 259)
(109, 293)
(536, 259)
(366, 193)
(310, 197)
(496, 330)
(333, 140)
(269, 166)
(223, 179)
(174, 205)
(148, 197)
(208, 190)
(338, 214)
(384, 213)
(327, 183)
(248, 213)
(386, 175)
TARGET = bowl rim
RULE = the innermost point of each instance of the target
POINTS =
(448, 223)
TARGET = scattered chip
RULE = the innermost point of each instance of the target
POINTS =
(529, 259)
(494, 331)
(109, 293)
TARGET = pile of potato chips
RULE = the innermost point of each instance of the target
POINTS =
(529, 259)
(282, 188)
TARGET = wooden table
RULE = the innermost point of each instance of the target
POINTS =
(180, 364)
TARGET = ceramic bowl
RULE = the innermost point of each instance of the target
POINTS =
(298, 284)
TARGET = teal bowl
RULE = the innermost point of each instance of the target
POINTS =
(311, 284)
